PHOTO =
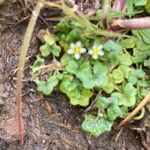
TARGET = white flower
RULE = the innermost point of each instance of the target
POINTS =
(96, 51)
(76, 49)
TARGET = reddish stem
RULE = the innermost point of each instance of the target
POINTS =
(136, 23)
(119, 5)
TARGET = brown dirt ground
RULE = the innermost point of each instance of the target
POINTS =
(51, 122)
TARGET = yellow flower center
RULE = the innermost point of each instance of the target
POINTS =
(77, 50)
(95, 52)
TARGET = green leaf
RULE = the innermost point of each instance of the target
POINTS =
(76, 24)
(147, 6)
(84, 73)
(113, 112)
(130, 95)
(119, 97)
(140, 3)
(100, 74)
(145, 35)
(63, 26)
(118, 76)
(125, 59)
(97, 41)
(45, 50)
(55, 50)
(49, 38)
(96, 126)
(135, 74)
(125, 70)
(46, 87)
(129, 42)
(65, 59)
(140, 56)
(147, 62)
(36, 66)
(103, 102)
(112, 50)
(72, 67)
(111, 45)
(73, 35)
(73, 89)
(76, 35)
(110, 85)
(84, 98)
(130, 8)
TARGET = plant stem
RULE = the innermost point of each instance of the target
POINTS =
(105, 9)
(119, 5)
(21, 64)
(136, 110)
(136, 23)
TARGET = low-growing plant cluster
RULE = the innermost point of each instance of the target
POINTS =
(86, 66)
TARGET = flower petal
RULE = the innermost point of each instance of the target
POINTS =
(94, 56)
(78, 43)
(70, 51)
(90, 52)
(83, 50)
(101, 53)
(77, 56)
(72, 45)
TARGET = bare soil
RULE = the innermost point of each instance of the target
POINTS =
(50, 122)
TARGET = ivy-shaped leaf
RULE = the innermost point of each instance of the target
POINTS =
(46, 87)
(84, 73)
(112, 50)
(77, 95)
(118, 76)
(125, 70)
(96, 126)
(100, 72)
(55, 50)
(130, 8)
(65, 59)
(147, 62)
(63, 26)
(140, 56)
(103, 102)
(36, 66)
(76, 35)
(84, 98)
(49, 38)
(114, 111)
(125, 59)
(129, 42)
(140, 3)
(110, 85)
(135, 74)
(129, 95)
(45, 50)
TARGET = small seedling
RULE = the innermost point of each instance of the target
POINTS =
(86, 58)
(95, 64)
